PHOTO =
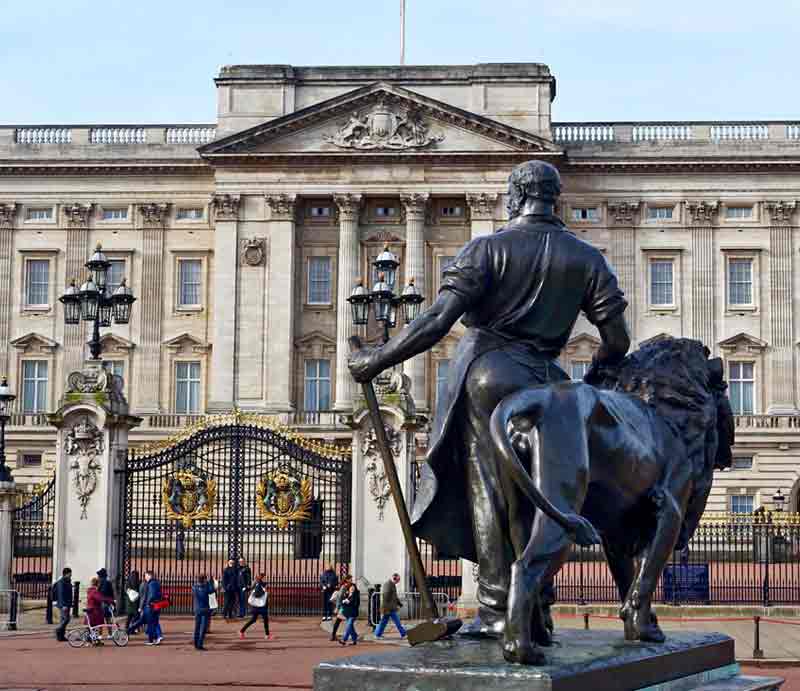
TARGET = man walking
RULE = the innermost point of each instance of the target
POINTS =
(152, 594)
(390, 603)
(230, 584)
(244, 580)
(63, 600)
(202, 609)
(328, 582)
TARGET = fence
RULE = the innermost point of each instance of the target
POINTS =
(10, 610)
(731, 560)
(411, 609)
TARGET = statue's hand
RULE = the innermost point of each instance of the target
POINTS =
(584, 533)
(364, 365)
(594, 375)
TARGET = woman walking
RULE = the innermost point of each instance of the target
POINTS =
(131, 599)
(341, 594)
(350, 605)
(258, 607)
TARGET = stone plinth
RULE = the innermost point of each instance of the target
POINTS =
(8, 492)
(580, 661)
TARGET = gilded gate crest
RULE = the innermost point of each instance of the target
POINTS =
(187, 497)
(282, 497)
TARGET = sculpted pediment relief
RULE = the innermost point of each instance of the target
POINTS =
(744, 343)
(187, 343)
(34, 343)
(380, 118)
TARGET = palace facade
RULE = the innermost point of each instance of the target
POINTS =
(242, 240)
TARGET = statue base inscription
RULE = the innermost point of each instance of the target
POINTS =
(580, 660)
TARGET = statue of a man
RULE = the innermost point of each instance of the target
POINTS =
(519, 293)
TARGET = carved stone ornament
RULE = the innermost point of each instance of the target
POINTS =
(253, 251)
(8, 213)
(284, 497)
(226, 207)
(383, 127)
(781, 212)
(414, 204)
(376, 473)
(83, 445)
(482, 204)
(623, 213)
(77, 215)
(188, 497)
(348, 205)
(94, 380)
(281, 206)
(702, 212)
(154, 214)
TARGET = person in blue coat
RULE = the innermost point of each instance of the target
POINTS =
(202, 609)
(152, 594)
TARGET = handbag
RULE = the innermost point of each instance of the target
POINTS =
(158, 605)
(254, 601)
(133, 595)
(212, 601)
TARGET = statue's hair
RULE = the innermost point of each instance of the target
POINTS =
(532, 180)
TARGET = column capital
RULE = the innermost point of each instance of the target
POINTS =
(281, 206)
(482, 205)
(154, 214)
(8, 214)
(702, 212)
(780, 212)
(415, 204)
(77, 215)
(348, 206)
(226, 207)
(624, 212)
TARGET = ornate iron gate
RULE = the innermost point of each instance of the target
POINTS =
(239, 485)
(32, 525)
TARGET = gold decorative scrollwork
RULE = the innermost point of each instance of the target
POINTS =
(188, 498)
(282, 497)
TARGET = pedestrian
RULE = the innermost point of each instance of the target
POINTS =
(259, 607)
(244, 580)
(202, 609)
(131, 599)
(337, 604)
(62, 596)
(350, 606)
(230, 585)
(106, 588)
(328, 582)
(95, 607)
(390, 603)
(152, 594)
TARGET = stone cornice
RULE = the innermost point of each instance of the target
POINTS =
(624, 212)
(54, 168)
(8, 214)
(281, 206)
(482, 205)
(226, 207)
(77, 215)
(154, 214)
(780, 212)
(702, 212)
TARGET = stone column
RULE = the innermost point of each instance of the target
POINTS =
(8, 213)
(781, 277)
(482, 206)
(221, 375)
(152, 219)
(348, 269)
(623, 216)
(93, 424)
(76, 218)
(702, 215)
(468, 601)
(415, 205)
(280, 303)
(8, 494)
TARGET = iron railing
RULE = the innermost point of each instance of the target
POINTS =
(32, 525)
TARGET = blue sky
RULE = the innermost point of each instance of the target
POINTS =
(142, 61)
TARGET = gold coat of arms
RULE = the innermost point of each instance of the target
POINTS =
(282, 497)
(188, 498)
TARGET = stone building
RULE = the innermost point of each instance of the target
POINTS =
(242, 240)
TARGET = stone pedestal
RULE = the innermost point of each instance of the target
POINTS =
(93, 424)
(580, 660)
(467, 606)
(8, 493)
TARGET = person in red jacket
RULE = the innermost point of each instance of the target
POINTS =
(94, 604)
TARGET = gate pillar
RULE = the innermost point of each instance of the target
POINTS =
(378, 549)
(8, 493)
(93, 424)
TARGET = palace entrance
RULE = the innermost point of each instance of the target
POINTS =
(238, 485)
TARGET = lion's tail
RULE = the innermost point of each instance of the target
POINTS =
(531, 402)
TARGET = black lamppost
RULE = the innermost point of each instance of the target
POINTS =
(93, 303)
(382, 297)
(778, 500)
(6, 399)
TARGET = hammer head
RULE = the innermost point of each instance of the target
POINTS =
(433, 630)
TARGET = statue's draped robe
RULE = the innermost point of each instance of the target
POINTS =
(525, 286)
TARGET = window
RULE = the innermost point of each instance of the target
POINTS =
(189, 275)
(741, 381)
(320, 211)
(442, 372)
(661, 285)
(115, 213)
(577, 369)
(742, 503)
(318, 385)
(194, 213)
(738, 212)
(660, 213)
(116, 272)
(319, 280)
(742, 463)
(385, 211)
(30, 460)
(39, 214)
(187, 387)
(37, 282)
(452, 211)
(740, 281)
(34, 386)
(589, 213)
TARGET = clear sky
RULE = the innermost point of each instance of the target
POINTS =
(149, 61)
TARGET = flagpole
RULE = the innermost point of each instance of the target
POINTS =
(402, 32)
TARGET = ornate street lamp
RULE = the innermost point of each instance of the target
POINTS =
(93, 303)
(778, 500)
(6, 399)
(382, 296)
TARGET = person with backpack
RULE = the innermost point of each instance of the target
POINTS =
(201, 593)
(62, 597)
(259, 607)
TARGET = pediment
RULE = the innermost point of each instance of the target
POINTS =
(112, 343)
(743, 342)
(654, 339)
(187, 342)
(35, 343)
(379, 119)
(316, 345)
(582, 344)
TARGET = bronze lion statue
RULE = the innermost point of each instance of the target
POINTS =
(628, 462)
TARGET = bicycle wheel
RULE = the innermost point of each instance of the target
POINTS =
(78, 638)
(120, 637)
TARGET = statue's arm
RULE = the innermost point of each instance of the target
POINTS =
(616, 340)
